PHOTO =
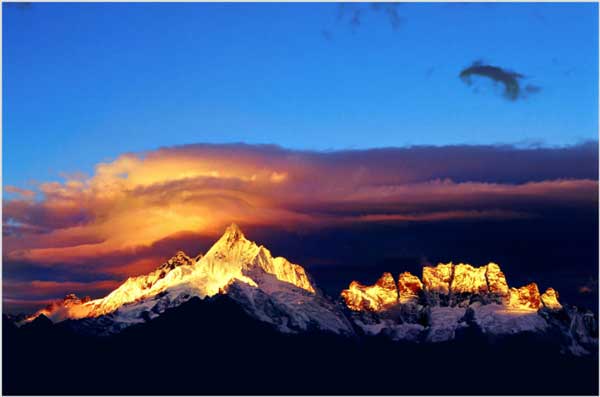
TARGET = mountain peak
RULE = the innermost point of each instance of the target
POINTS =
(449, 285)
(179, 259)
(377, 297)
(233, 233)
(40, 322)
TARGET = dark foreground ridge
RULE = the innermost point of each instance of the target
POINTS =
(212, 346)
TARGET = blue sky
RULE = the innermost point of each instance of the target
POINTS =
(84, 83)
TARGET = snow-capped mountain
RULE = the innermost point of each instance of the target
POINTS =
(446, 301)
(452, 298)
(271, 289)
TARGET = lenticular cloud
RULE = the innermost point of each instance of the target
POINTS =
(132, 204)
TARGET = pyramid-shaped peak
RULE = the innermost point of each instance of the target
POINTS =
(233, 233)
(41, 321)
(233, 228)
(386, 281)
(179, 259)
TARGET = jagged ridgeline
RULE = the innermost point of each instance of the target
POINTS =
(448, 300)
(452, 299)
(272, 289)
(448, 285)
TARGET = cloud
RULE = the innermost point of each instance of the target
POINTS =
(532, 89)
(354, 13)
(510, 80)
(20, 5)
(27, 296)
(24, 193)
(43, 290)
(590, 287)
(584, 289)
(137, 210)
(327, 35)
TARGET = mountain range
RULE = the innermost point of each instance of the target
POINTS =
(280, 293)
(237, 291)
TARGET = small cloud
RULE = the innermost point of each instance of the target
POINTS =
(355, 20)
(20, 5)
(327, 35)
(79, 176)
(589, 287)
(354, 13)
(532, 89)
(24, 193)
(510, 80)
(391, 10)
(585, 290)
(429, 72)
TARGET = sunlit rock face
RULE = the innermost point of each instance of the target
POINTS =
(550, 299)
(384, 293)
(71, 305)
(447, 279)
(380, 296)
(231, 258)
(73, 300)
(469, 284)
(409, 287)
(282, 269)
(133, 289)
(140, 287)
(438, 279)
(469, 280)
(179, 259)
(461, 284)
(449, 301)
(496, 280)
(454, 300)
(526, 298)
(450, 285)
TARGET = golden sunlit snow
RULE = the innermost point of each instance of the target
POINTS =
(230, 258)
(446, 280)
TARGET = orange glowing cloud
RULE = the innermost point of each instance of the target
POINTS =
(24, 193)
(40, 293)
(116, 217)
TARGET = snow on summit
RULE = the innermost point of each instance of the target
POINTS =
(228, 260)
(437, 307)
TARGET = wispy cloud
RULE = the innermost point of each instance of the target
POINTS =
(24, 193)
(354, 15)
(509, 79)
(43, 289)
